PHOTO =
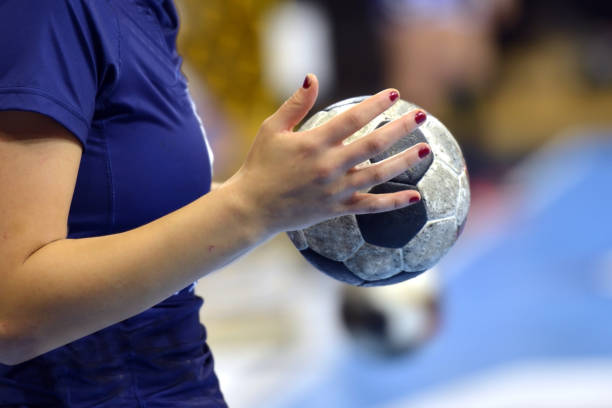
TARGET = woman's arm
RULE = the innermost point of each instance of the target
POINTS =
(55, 290)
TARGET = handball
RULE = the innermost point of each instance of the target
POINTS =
(390, 247)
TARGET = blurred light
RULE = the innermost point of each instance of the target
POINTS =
(296, 40)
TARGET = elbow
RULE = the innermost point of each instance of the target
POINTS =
(15, 347)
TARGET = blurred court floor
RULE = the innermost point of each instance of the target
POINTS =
(527, 306)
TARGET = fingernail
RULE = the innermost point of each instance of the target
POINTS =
(420, 117)
(306, 83)
(424, 152)
(393, 96)
(414, 200)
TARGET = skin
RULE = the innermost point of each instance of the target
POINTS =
(56, 290)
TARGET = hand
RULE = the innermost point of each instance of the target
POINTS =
(296, 179)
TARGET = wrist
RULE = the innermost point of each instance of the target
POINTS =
(246, 208)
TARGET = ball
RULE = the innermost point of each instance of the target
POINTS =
(390, 247)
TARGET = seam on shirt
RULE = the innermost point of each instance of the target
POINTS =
(160, 43)
(35, 91)
(117, 39)
(101, 124)
(100, 101)
(111, 187)
(119, 51)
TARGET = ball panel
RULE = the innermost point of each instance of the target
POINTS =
(400, 108)
(443, 144)
(346, 103)
(392, 229)
(463, 203)
(374, 263)
(400, 277)
(364, 131)
(337, 239)
(298, 239)
(317, 120)
(439, 189)
(414, 174)
(383, 123)
(336, 270)
(430, 244)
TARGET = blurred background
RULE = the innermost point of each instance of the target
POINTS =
(519, 313)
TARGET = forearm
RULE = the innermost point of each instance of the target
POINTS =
(73, 287)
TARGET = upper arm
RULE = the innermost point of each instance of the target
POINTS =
(39, 162)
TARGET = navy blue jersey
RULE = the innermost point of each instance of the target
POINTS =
(108, 71)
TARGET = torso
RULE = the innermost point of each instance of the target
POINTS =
(146, 154)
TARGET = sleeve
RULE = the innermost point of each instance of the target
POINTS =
(48, 61)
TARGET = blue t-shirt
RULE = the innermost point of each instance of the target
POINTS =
(108, 71)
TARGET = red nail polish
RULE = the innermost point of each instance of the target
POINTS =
(424, 152)
(393, 96)
(306, 83)
(420, 117)
(414, 200)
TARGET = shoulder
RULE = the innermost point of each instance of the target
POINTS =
(61, 13)
(56, 23)
(40, 9)
(49, 24)
(56, 54)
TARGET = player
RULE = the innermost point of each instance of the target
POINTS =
(105, 208)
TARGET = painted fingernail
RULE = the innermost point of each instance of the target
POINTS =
(393, 96)
(424, 152)
(306, 83)
(414, 200)
(420, 117)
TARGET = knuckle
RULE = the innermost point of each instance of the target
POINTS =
(290, 104)
(407, 161)
(307, 148)
(373, 146)
(323, 173)
(378, 175)
(371, 208)
(407, 125)
(330, 195)
(294, 102)
(383, 104)
(356, 183)
(353, 120)
(352, 200)
(267, 123)
(345, 208)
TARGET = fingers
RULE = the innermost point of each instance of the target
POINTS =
(368, 176)
(296, 107)
(381, 139)
(349, 122)
(365, 203)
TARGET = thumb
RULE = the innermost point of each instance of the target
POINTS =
(297, 106)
